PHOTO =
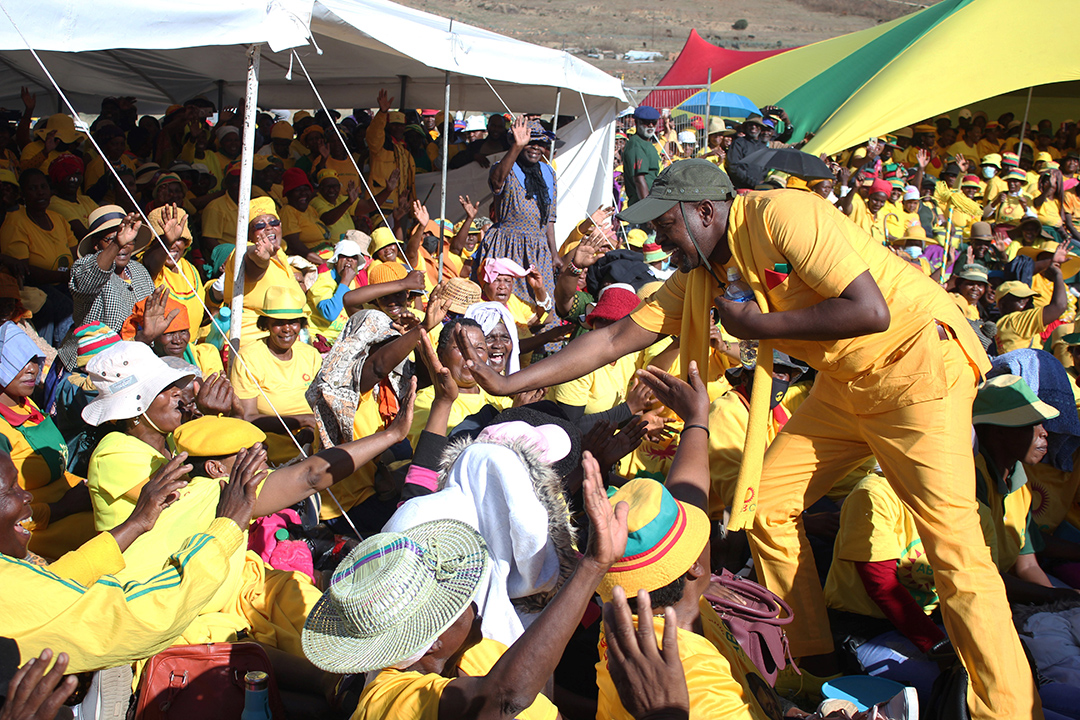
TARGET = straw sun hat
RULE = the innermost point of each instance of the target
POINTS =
(394, 595)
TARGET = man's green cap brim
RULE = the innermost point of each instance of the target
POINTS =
(646, 210)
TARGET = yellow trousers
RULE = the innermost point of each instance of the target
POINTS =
(925, 452)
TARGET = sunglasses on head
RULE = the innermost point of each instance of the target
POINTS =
(262, 225)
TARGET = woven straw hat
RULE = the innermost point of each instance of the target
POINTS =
(462, 293)
(394, 595)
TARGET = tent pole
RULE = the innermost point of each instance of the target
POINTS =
(251, 99)
(708, 107)
(555, 123)
(1023, 126)
(442, 193)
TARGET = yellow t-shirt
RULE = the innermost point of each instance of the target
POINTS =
(729, 417)
(33, 149)
(185, 287)
(22, 238)
(344, 223)
(876, 526)
(465, 405)
(78, 211)
(283, 381)
(307, 224)
(207, 358)
(600, 390)
(415, 696)
(118, 464)
(278, 272)
(1050, 213)
(1020, 329)
(219, 219)
(346, 173)
(994, 187)
(1010, 212)
(822, 252)
(714, 690)
(1009, 516)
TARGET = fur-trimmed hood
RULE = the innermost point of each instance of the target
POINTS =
(548, 489)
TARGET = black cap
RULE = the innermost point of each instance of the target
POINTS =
(690, 180)
(951, 169)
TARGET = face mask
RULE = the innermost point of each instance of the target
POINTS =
(666, 265)
(989, 172)
(648, 132)
(779, 390)
(914, 252)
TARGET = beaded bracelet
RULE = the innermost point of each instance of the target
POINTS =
(574, 269)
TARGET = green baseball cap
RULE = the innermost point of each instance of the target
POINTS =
(691, 180)
(1006, 400)
(975, 273)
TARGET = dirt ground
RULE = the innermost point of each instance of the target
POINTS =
(610, 29)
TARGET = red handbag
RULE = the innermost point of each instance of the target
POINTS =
(757, 625)
(191, 681)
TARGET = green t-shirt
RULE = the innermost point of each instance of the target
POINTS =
(639, 158)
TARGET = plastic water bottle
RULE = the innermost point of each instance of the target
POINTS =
(738, 291)
(223, 318)
(256, 696)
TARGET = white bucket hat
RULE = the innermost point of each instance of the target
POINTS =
(128, 377)
(350, 246)
(394, 595)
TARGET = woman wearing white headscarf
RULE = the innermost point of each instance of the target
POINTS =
(501, 332)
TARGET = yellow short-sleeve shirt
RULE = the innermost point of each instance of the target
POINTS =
(876, 526)
(803, 251)
(283, 381)
(321, 206)
(219, 219)
(306, 224)
(278, 273)
(465, 405)
(415, 696)
(1019, 329)
(24, 239)
(78, 211)
(600, 390)
(710, 679)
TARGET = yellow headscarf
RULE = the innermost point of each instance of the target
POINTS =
(262, 206)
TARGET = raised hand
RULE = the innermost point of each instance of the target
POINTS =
(129, 230)
(445, 387)
(420, 212)
(238, 494)
(640, 398)
(216, 395)
(608, 446)
(354, 191)
(519, 131)
(607, 532)
(690, 401)
(438, 305)
(52, 140)
(590, 250)
(29, 99)
(470, 208)
(922, 157)
(402, 422)
(413, 281)
(171, 227)
(650, 681)
(155, 320)
(159, 492)
(393, 180)
(385, 101)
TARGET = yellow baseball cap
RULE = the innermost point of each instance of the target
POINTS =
(1015, 288)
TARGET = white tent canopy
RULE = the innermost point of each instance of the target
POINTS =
(162, 53)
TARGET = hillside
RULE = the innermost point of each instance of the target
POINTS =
(609, 29)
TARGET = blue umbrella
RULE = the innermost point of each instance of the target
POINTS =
(720, 104)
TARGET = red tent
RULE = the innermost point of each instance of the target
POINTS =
(692, 68)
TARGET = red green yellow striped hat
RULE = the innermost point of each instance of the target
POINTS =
(665, 538)
(92, 339)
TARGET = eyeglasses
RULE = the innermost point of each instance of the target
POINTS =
(261, 225)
